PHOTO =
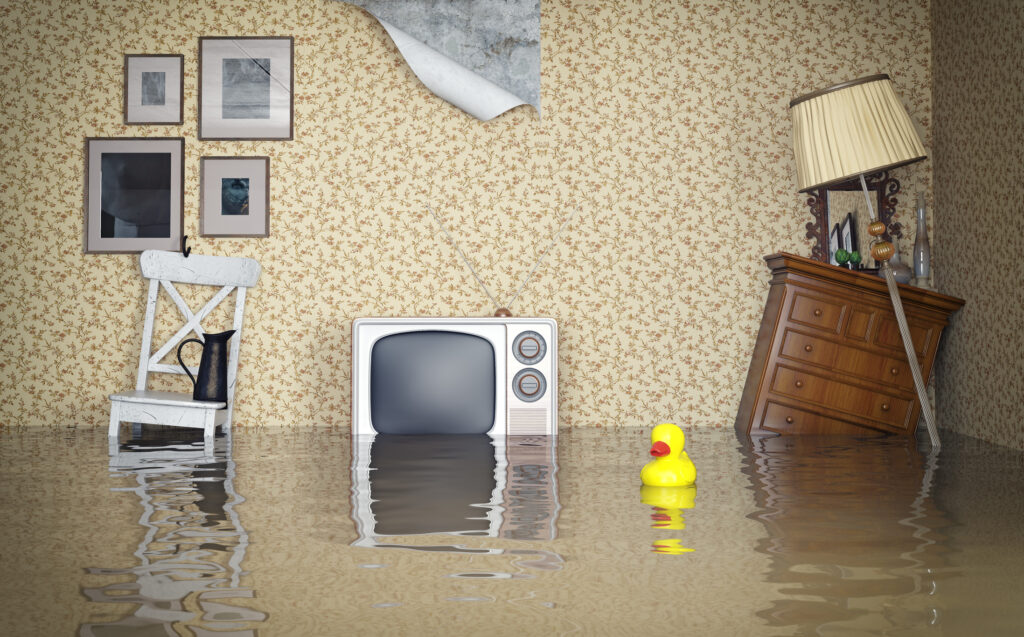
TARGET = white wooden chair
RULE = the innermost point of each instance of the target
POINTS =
(164, 269)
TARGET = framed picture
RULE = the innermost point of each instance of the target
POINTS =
(833, 244)
(153, 89)
(134, 188)
(245, 88)
(848, 233)
(235, 196)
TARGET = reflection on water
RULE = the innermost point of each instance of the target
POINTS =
(854, 537)
(792, 536)
(189, 571)
(668, 504)
(457, 485)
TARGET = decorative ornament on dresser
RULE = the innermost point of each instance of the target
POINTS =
(922, 251)
(900, 271)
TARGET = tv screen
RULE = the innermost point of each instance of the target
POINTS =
(432, 382)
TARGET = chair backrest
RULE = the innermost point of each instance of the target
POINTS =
(164, 269)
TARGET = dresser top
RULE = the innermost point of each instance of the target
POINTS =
(783, 265)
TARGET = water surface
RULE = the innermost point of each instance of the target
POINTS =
(307, 532)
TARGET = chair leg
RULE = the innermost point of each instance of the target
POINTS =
(210, 427)
(112, 433)
(115, 420)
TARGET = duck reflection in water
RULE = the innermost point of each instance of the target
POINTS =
(457, 485)
(668, 504)
(188, 579)
(853, 534)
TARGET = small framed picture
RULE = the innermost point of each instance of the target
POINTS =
(235, 196)
(245, 88)
(153, 89)
(134, 189)
(848, 233)
(833, 244)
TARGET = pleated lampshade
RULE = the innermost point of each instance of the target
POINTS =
(853, 128)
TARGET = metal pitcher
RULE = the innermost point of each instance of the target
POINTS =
(211, 381)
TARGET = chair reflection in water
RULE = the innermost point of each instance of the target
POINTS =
(190, 560)
(459, 485)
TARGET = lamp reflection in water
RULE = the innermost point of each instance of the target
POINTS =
(457, 485)
(668, 504)
(853, 534)
(188, 579)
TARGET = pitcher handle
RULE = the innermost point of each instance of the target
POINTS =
(182, 363)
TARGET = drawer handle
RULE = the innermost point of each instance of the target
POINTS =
(885, 406)
(789, 419)
(894, 371)
(808, 348)
(799, 383)
(817, 312)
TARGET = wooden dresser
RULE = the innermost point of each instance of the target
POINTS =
(829, 359)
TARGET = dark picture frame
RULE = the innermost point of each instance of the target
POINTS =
(134, 193)
(234, 196)
(246, 88)
(154, 89)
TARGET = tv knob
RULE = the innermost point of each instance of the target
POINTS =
(529, 348)
(529, 385)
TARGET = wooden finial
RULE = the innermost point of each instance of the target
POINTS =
(503, 312)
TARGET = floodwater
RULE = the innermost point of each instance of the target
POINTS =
(303, 532)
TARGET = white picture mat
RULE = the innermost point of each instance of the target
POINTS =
(213, 53)
(96, 148)
(136, 111)
(213, 221)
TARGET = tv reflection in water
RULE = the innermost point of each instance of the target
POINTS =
(457, 485)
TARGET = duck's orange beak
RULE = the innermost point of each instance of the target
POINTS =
(660, 449)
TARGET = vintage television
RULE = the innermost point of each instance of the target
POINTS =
(496, 376)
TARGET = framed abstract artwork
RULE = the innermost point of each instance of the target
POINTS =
(234, 196)
(153, 89)
(134, 189)
(245, 88)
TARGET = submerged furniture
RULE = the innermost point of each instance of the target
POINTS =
(829, 358)
(164, 269)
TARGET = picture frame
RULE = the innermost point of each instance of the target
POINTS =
(154, 90)
(134, 193)
(234, 199)
(833, 244)
(245, 88)
(848, 233)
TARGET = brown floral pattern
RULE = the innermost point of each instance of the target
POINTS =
(665, 124)
(979, 134)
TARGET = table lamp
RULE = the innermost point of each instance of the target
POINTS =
(845, 132)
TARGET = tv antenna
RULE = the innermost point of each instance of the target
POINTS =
(502, 310)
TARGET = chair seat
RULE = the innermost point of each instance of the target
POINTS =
(165, 398)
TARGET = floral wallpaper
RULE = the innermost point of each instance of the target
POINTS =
(665, 125)
(979, 185)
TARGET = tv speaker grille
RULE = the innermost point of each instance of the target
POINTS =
(527, 422)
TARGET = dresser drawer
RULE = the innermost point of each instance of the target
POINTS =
(855, 401)
(784, 419)
(855, 361)
(815, 311)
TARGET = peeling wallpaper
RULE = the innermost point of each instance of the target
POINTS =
(979, 169)
(665, 124)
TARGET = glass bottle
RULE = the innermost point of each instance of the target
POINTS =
(922, 251)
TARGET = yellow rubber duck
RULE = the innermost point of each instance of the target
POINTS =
(671, 466)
